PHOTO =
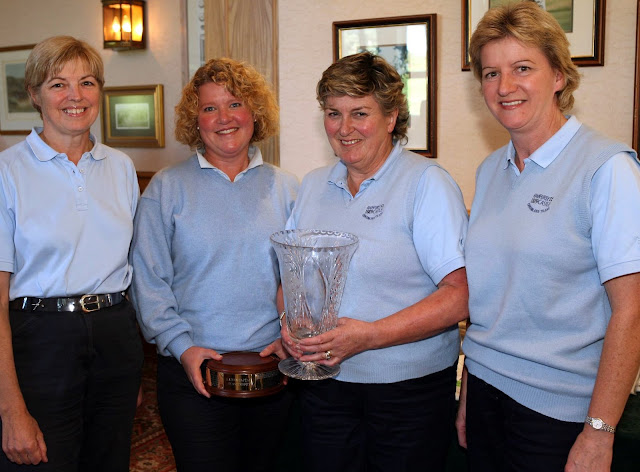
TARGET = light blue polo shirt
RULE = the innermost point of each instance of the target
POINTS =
(411, 225)
(65, 230)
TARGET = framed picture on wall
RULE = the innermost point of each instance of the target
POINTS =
(636, 101)
(133, 116)
(17, 116)
(409, 44)
(582, 21)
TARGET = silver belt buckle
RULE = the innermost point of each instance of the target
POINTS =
(90, 303)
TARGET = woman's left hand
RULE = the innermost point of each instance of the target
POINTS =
(334, 346)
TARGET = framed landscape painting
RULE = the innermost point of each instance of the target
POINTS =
(133, 116)
(17, 116)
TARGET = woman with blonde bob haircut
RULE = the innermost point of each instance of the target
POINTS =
(553, 263)
(533, 27)
(207, 281)
(397, 343)
(70, 352)
(49, 57)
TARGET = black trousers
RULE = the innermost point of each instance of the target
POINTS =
(79, 374)
(503, 435)
(402, 426)
(219, 434)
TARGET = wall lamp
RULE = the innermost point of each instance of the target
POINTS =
(123, 24)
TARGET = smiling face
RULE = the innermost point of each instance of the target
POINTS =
(69, 101)
(519, 87)
(359, 133)
(226, 124)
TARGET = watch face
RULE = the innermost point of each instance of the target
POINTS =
(597, 423)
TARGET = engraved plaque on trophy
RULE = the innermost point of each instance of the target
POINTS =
(242, 374)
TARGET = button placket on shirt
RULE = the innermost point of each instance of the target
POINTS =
(79, 182)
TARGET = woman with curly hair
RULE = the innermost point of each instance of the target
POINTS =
(206, 278)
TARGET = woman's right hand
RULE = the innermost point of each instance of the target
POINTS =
(22, 440)
(287, 342)
(192, 360)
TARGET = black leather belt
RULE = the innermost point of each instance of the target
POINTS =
(84, 303)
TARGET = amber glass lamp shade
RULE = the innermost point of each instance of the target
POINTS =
(123, 24)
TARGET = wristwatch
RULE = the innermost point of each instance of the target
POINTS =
(597, 423)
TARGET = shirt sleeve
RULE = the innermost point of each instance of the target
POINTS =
(151, 287)
(440, 224)
(615, 211)
(7, 227)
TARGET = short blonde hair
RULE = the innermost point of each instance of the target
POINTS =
(243, 82)
(365, 74)
(529, 24)
(49, 57)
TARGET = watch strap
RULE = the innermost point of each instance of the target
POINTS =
(597, 423)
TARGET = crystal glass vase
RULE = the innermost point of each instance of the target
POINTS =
(313, 270)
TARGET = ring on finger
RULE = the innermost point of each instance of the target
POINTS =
(327, 355)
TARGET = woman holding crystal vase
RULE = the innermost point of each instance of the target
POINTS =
(206, 278)
(392, 405)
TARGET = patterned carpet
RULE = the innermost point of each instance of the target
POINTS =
(150, 448)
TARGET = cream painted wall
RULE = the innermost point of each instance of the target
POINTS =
(29, 21)
(466, 131)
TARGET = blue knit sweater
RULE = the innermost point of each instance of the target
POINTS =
(204, 271)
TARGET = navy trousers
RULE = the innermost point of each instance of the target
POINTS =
(79, 374)
(401, 426)
(219, 434)
(504, 436)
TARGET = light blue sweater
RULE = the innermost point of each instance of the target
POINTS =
(538, 308)
(411, 222)
(204, 270)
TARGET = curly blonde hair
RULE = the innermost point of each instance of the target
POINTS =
(364, 74)
(532, 26)
(243, 82)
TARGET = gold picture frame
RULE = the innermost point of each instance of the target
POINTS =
(586, 35)
(133, 116)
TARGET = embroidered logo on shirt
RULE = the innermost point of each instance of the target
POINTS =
(539, 203)
(373, 211)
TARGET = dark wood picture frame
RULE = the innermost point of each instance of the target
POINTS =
(17, 116)
(415, 61)
(596, 45)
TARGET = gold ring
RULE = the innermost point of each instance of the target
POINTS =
(327, 355)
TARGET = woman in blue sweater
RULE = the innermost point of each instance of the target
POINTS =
(205, 276)
(553, 262)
